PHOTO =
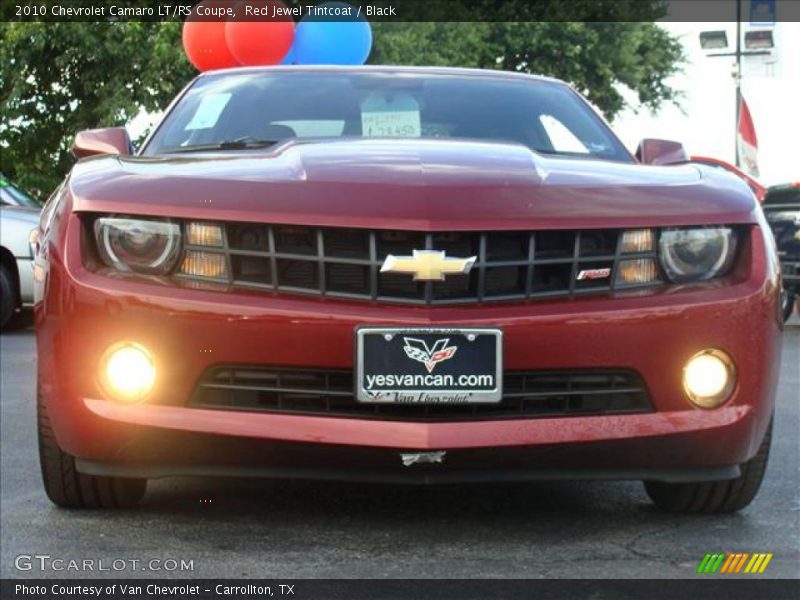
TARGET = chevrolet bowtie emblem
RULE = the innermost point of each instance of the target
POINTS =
(428, 265)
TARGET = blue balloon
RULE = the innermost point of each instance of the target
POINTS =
(290, 58)
(332, 42)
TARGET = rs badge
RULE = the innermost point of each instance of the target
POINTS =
(418, 350)
(594, 274)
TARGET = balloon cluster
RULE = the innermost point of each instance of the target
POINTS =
(221, 44)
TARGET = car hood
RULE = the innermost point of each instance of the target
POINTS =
(416, 184)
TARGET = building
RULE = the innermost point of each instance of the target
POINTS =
(705, 123)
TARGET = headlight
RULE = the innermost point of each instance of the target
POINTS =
(203, 258)
(33, 241)
(144, 246)
(696, 254)
(636, 271)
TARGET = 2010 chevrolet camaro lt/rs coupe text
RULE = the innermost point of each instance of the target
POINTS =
(403, 275)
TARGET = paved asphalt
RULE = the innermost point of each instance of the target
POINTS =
(246, 528)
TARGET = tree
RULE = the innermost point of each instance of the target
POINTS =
(595, 57)
(59, 78)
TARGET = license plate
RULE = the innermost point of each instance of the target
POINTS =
(429, 366)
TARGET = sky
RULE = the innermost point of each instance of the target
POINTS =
(705, 123)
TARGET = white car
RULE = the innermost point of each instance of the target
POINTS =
(19, 227)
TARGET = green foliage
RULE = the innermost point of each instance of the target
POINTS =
(59, 78)
(595, 57)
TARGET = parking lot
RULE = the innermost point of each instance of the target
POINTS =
(249, 528)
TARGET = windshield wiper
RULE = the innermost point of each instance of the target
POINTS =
(238, 144)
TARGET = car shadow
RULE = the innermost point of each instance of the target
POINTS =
(243, 500)
(21, 322)
(331, 516)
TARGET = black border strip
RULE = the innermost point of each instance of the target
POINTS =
(406, 10)
(731, 587)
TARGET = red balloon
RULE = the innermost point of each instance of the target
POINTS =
(205, 45)
(264, 41)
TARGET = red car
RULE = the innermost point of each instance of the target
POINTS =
(402, 275)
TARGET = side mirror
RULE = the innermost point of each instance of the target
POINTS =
(661, 152)
(111, 140)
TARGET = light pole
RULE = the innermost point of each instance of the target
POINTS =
(709, 40)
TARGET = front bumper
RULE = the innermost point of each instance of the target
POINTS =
(189, 330)
(220, 455)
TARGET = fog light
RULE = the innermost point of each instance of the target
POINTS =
(708, 378)
(128, 372)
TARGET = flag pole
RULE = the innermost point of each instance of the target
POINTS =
(737, 54)
(738, 77)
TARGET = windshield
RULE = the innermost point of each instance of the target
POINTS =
(250, 110)
(13, 196)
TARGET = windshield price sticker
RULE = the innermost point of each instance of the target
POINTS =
(391, 124)
(390, 115)
(208, 111)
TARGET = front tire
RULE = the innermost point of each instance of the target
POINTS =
(787, 304)
(68, 488)
(714, 496)
(8, 296)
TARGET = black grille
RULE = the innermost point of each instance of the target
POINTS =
(346, 263)
(330, 393)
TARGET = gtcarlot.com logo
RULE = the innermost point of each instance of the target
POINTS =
(45, 562)
(734, 562)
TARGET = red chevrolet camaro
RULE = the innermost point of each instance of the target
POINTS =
(402, 275)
